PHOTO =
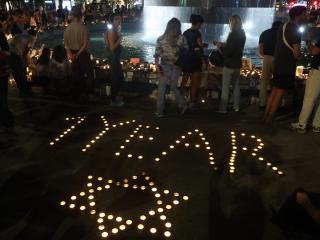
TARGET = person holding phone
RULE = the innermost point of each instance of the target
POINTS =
(113, 40)
(192, 66)
(232, 52)
(168, 48)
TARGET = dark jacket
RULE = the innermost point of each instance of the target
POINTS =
(233, 50)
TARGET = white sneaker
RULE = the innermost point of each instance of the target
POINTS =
(184, 109)
(298, 127)
(117, 104)
(316, 129)
(159, 115)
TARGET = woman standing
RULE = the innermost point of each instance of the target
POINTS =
(192, 66)
(169, 49)
(232, 52)
(113, 41)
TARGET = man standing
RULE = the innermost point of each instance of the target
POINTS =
(267, 45)
(76, 41)
(20, 46)
(6, 119)
(18, 22)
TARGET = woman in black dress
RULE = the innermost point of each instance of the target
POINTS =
(192, 66)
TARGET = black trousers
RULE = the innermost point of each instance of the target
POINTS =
(82, 74)
(117, 76)
(19, 72)
(5, 115)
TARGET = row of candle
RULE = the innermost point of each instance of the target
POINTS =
(162, 205)
(79, 120)
(182, 141)
(253, 153)
(105, 129)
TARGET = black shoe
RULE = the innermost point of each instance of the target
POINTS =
(262, 108)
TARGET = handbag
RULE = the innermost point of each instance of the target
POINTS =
(182, 56)
(216, 58)
(284, 37)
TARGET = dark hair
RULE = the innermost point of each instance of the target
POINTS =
(113, 16)
(76, 11)
(59, 54)
(18, 12)
(195, 19)
(276, 24)
(297, 11)
(32, 32)
(45, 56)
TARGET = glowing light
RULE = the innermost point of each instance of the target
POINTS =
(163, 217)
(115, 230)
(167, 234)
(110, 217)
(168, 207)
(168, 225)
(104, 234)
(140, 226)
(153, 230)
(62, 203)
(143, 217)
(129, 222)
(152, 212)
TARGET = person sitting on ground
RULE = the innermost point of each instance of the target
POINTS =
(60, 70)
(20, 46)
(42, 71)
(167, 50)
(312, 92)
(287, 52)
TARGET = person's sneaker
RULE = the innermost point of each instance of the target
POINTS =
(116, 103)
(298, 127)
(262, 108)
(183, 109)
(316, 129)
(236, 110)
(221, 111)
(159, 115)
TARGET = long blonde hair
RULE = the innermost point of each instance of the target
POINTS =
(235, 22)
(173, 30)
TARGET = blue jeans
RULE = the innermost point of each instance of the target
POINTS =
(230, 76)
(170, 76)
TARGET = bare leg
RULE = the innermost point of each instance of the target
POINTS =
(303, 199)
(276, 103)
(269, 104)
(185, 78)
(195, 82)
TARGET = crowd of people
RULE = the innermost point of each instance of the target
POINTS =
(69, 68)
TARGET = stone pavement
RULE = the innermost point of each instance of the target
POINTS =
(70, 188)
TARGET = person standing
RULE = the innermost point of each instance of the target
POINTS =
(113, 40)
(232, 52)
(312, 92)
(6, 119)
(267, 45)
(76, 40)
(20, 46)
(168, 49)
(192, 66)
(287, 52)
(19, 22)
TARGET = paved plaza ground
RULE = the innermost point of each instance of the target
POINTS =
(51, 191)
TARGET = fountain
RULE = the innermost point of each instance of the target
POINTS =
(257, 16)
